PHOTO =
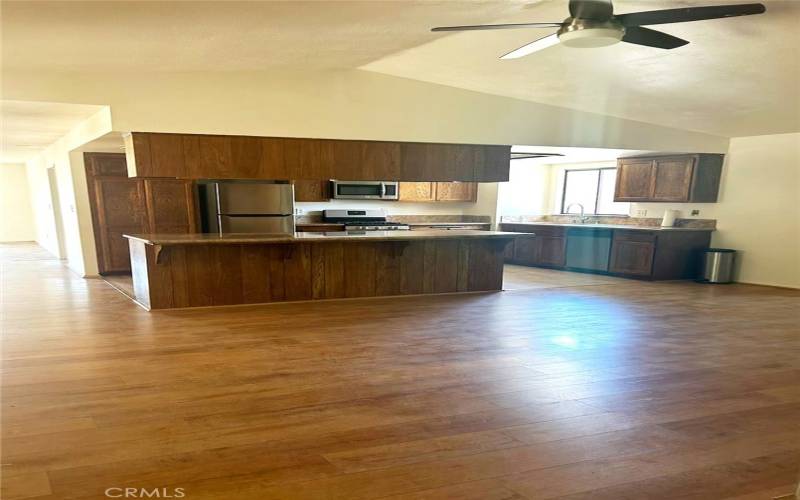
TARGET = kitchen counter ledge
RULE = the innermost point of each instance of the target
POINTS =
(607, 226)
(312, 237)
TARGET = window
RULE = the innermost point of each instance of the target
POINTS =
(594, 189)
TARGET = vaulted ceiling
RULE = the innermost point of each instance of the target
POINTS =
(737, 77)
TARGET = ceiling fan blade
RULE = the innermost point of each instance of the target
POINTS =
(599, 10)
(534, 46)
(496, 26)
(652, 38)
(689, 14)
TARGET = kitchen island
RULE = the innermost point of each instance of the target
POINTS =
(196, 270)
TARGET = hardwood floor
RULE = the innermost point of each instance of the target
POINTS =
(527, 278)
(611, 390)
(122, 282)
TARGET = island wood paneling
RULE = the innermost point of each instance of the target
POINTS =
(195, 156)
(212, 275)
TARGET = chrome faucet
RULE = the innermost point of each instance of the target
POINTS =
(582, 218)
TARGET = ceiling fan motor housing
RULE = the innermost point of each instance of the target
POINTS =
(586, 33)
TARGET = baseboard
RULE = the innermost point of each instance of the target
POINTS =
(771, 285)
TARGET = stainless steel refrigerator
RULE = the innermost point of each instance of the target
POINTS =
(246, 206)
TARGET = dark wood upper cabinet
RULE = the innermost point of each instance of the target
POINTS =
(247, 153)
(634, 180)
(166, 155)
(491, 163)
(312, 190)
(106, 164)
(675, 178)
(170, 206)
(672, 178)
(194, 156)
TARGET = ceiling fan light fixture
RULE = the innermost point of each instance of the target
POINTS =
(591, 37)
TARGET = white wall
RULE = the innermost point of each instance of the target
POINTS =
(16, 215)
(759, 209)
(75, 217)
(527, 191)
(44, 213)
(346, 104)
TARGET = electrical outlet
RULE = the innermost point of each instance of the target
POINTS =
(298, 211)
(695, 213)
(642, 212)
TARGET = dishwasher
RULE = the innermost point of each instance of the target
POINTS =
(588, 249)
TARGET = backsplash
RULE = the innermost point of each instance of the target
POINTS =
(313, 218)
(610, 219)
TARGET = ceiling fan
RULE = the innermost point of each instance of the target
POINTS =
(592, 23)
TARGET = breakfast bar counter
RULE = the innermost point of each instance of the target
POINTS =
(196, 270)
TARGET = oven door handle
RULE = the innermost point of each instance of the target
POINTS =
(383, 190)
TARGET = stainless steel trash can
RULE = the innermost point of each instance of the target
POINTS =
(718, 265)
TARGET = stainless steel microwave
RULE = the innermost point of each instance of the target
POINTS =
(365, 190)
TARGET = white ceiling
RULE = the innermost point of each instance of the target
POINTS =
(222, 35)
(737, 77)
(30, 127)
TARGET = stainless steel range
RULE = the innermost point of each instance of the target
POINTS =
(363, 220)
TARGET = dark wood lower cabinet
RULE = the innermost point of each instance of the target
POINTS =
(525, 250)
(656, 255)
(547, 248)
(552, 251)
(632, 254)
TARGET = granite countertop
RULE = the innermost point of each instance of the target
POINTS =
(610, 226)
(332, 224)
(416, 224)
(215, 239)
(436, 224)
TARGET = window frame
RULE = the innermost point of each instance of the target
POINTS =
(596, 194)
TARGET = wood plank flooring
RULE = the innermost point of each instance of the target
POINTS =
(574, 388)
